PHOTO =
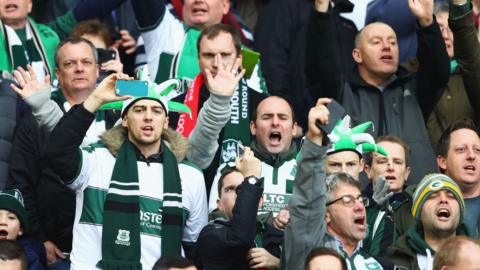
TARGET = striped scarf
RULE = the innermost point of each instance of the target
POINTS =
(121, 225)
(32, 52)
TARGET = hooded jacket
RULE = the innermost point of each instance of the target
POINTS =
(407, 250)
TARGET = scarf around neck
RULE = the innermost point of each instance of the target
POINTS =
(121, 227)
(32, 52)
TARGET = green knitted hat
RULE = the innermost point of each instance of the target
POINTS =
(355, 139)
(430, 184)
(12, 201)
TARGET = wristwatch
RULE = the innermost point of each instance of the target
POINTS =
(252, 180)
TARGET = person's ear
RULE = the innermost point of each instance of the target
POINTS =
(328, 219)
(220, 205)
(362, 165)
(442, 162)
(357, 55)
(226, 6)
(253, 128)
(165, 125)
(124, 121)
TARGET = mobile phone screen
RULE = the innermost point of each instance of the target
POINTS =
(131, 88)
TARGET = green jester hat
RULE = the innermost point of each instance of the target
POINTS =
(354, 139)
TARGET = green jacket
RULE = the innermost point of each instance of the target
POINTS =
(404, 252)
(462, 93)
(50, 36)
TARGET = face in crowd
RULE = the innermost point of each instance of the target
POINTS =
(14, 12)
(376, 52)
(442, 20)
(462, 161)
(347, 161)
(202, 13)
(10, 227)
(346, 219)
(393, 167)
(145, 120)
(228, 193)
(77, 69)
(217, 51)
(440, 214)
(273, 127)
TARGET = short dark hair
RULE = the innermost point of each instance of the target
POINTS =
(213, 31)
(448, 254)
(323, 251)
(444, 142)
(73, 40)
(12, 250)
(226, 172)
(166, 262)
(254, 113)
(391, 139)
(93, 28)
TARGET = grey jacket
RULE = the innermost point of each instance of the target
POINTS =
(401, 106)
(307, 228)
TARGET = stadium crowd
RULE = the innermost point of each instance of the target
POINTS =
(228, 134)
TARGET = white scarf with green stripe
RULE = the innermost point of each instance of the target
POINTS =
(32, 52)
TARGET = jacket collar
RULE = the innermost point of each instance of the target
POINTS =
(356, 81)
(274, 160)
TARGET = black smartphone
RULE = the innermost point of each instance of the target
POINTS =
(105, 55)
(336, 112)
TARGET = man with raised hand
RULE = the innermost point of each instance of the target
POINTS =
(325, 211)
(176, 56)
(136, 201)
(377, 89)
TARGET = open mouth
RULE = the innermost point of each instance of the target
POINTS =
(360, 221)
(11, 7)
(275, 137)
(443, 214)
(387, 58)
(3, 234)
(147, 130)
(196, 10)
(469, 168)
(390, 178)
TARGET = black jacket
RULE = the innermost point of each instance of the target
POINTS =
(280, 36)
(225, 244)
(49, 202)
(401, 107)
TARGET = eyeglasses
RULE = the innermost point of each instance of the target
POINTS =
(349, 200)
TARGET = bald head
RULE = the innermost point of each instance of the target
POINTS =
(376, 53)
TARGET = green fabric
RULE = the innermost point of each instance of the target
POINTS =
(453, 66)
(22, 34)
(48, 38)
(274, 160)
(121, 216)
(188, 61)
(237, 129)
(459, 10)
(415, 237)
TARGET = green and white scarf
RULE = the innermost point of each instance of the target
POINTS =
(237, 129)
(121, 226)
(32, 52)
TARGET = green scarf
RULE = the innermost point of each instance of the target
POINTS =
(30, 52)
(237, 129)
(121, 226)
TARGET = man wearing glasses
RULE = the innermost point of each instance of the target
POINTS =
(325, 211)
